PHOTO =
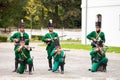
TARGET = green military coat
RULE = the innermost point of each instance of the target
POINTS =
(94, 35)
(23, 54)
(96, 55)
(17, 35)
(58, 58)
(51, 46)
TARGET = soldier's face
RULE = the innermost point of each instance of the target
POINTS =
(22, 29)
(50, 29)
(58, 51)
(98, 28)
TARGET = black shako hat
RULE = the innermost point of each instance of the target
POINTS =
(21, 24)
(50, 25)
(57, 43)
(98, 24)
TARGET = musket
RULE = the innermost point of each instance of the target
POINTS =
(29, 47)
(100, 46)
(101, 52)
(50, 40)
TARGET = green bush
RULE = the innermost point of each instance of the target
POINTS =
(3, 38)
(36, 37)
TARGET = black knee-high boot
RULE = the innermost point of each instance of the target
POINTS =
(104, 67)
(26, 67)
(16, 66)
(62, 67)
(30, 68)
(50, 64)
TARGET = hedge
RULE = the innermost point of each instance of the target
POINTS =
(3, 38)
(36, 37)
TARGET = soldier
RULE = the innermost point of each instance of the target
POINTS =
(23, 52)
(16, 38)
(50, 39)
(59, 59)
(98, 56)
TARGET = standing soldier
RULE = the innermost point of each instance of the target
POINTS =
(23, 52)
(59, 59)
(50, 39)
(16, 38)
(98, 56)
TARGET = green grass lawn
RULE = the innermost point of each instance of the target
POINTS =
(69, 40)
(76, 46)
(87, 47)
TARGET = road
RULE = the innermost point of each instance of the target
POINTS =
(76, 67)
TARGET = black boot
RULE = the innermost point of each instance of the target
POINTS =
(62, 67)
(91, 63)
(26, 68)
(50, 64)
(16, 66)
(104, 67)
(30, 69)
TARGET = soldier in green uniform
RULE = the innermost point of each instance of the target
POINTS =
(59, 59)
(16, 38)
(98, 56)
(50, 39)
(23, 52)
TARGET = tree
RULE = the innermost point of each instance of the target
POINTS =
(61, 11)
(12, 13)
(65, 13)
(36, 13)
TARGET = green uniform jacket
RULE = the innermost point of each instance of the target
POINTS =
(23, 54)
(58, 58)
(49, 35)
(93, 35)
(97, 56)
(18, 35)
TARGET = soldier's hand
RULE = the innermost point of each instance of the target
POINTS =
(15, 40)
(21, 46)
(55, 52)
(28, 47)
(97, 49)
(48, 39)
(19, 49)
(99, 39)
(55, 38)
(94, 40)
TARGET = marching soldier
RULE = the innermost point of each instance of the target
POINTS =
(16, 38)
(23, 52)
(50, 39)
(98, 56)
(59, 59)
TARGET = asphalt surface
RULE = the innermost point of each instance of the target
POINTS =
(76, 67)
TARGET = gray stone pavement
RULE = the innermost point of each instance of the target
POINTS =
(76, 67)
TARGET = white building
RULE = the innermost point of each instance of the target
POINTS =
(110, 11)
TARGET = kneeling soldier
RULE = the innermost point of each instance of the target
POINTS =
(59, 59)
(24, 57)
(98, 59)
